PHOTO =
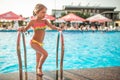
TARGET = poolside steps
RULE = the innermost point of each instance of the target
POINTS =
(111, 73)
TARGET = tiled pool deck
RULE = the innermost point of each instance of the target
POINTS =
(111, 73)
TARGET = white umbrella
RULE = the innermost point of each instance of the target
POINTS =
(98, 18)
(59, 21)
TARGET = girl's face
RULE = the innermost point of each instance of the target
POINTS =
(41, 14)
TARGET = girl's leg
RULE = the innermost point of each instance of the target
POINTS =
(38, 56)
(43, 57)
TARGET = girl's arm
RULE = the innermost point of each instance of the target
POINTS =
(52, 26)
(23, 29)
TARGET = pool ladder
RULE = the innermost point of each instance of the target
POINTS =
(60, 39)
(19, 56)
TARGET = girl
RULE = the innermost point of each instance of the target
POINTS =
(39, 25)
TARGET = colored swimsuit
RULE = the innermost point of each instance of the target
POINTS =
(38, 26)
(34, 41)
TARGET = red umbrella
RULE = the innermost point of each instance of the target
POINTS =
(72, 17)
(10, 16)
(98, 18)
(46, 17)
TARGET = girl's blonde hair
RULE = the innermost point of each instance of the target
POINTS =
(37, 8)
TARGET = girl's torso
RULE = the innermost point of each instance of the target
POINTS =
(39, 30)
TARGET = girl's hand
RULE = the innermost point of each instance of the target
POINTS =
(21, 29)
(59, 29)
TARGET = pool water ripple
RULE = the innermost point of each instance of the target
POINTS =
(82, 50)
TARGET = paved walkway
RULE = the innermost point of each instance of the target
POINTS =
(111, 73)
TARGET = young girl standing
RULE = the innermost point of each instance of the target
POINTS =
(39, 25)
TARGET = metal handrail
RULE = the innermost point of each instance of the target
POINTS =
(60, 39)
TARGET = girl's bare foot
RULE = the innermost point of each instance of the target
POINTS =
(39, 72)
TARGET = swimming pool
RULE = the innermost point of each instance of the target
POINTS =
(82, 50)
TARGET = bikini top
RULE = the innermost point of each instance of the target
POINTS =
(39, 26)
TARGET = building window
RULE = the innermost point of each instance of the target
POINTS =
(98, 11)
(81, 10)
(85, 11)
(89, 11)
(93, 11)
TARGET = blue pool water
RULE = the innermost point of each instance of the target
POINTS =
(82, 50)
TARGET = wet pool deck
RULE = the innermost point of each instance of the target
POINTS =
(111, 73)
